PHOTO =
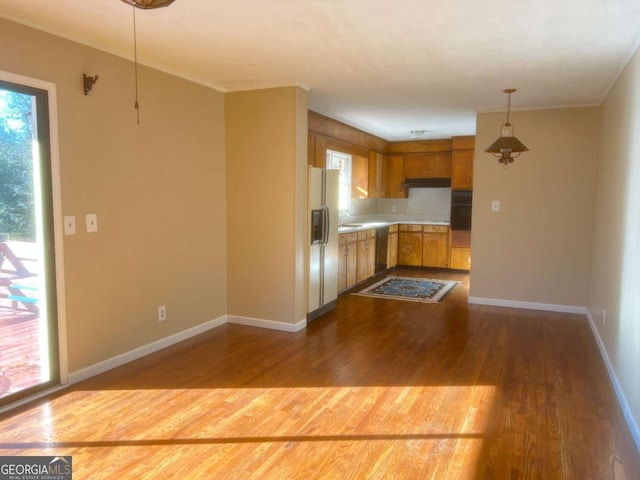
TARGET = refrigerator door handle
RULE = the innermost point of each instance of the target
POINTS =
(325, 226)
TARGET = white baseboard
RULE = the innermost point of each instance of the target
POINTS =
(90, 371)
(622, 400)
(259, 322)
(548, 307)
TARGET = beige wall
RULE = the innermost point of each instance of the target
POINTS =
(266, 204)
(158, 189)
(614, 302)
(537, 249)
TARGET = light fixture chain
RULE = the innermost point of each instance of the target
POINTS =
(508, 106)
(135, 61)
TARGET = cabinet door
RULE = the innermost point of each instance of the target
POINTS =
(427, 165)
(392, 250)
(435, 250)
(377, 168)
(395, 177)
(364, 256)
(351, 264)
(460, 258)
(342, 268)
(462, 170)
(359, 177)
(410, 248)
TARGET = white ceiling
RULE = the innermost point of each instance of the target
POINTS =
(387, 67)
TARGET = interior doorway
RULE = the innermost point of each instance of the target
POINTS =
(29, 340)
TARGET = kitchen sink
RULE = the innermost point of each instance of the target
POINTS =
(351, 225)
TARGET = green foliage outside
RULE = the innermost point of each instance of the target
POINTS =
(17, 216)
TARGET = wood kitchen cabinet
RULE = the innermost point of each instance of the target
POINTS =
(359, 177)
(366, 256)
(423, 245)
(395, 177)
(316, 150)
(377, 172)
(460, 250)
(462, 170)
(460, 258)
(392, 247)
(462, 162)
(410, 245)
(347, 260)
(435, 246)
(428, 165)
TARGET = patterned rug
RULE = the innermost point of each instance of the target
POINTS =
(424, 290)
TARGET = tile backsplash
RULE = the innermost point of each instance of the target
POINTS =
(432, 204)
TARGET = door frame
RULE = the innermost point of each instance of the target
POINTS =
(56, 197)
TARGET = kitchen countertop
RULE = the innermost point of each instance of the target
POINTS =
(355, 227)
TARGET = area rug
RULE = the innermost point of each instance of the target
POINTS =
(424, 290)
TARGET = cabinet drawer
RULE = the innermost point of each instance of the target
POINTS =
(346, 238)
(435, 229)
(410, 228)
(366, 234)
(393, 228)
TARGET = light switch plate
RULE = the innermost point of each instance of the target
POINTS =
(92, 222)
(69, 224)
(495, 206)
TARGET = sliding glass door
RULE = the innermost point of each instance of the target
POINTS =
(29, 349)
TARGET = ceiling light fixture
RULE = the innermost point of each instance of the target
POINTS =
(507, 144)
(144, 5)
(149, 4)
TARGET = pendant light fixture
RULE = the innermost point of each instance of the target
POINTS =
(143, 5)
(149, 4)
(507, 144)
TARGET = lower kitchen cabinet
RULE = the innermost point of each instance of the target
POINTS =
(460, 251)
(435, 246)
(347, 260)
(423, 245)
(366, 262)
(410, 245)
(460, 258)
(392, 247)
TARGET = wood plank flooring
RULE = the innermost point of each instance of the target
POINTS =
(377, 389)
(20, 363)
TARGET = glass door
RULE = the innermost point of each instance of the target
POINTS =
(29, 351)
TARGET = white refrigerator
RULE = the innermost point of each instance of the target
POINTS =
(322, 239)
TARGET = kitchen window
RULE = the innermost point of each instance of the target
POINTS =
(342, 162)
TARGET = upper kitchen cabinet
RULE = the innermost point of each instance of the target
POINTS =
(462, 163)
(359, 177)
(427, 165)
(316, 150)
(395, 177)
(377, 173)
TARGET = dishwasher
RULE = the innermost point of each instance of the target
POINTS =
(382, 241)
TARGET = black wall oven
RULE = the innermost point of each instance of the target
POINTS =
(461, 201)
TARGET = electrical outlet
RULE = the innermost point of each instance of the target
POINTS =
(604, 316)
(393, 209)
(162, 313)
(495, 206)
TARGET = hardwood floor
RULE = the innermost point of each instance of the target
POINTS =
(376, 389)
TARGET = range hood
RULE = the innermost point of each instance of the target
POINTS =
(426, 183)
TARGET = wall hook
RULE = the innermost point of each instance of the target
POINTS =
(87, 83)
